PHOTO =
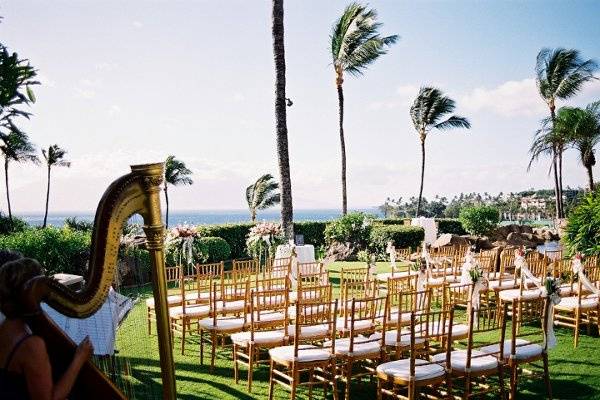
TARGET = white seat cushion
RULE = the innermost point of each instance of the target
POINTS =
(405, 318)
(383, 277)
(510, 295)
(171, 300)
(231, 306)
(223, 324)
(191, 311)
(571, 303)
(480, 361)
(317, 308)
(306, 353)
(392, 339)
(343, 325)
(362, 346)
(524, 349)
(501, 284)
(401, 369)
(458, 330)
(308, 331)
(266, 316)
(262, 337)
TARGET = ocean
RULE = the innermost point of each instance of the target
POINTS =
(201, 216)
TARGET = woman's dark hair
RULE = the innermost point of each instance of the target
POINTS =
(9, 255)
(13, 276)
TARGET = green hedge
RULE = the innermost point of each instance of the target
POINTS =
(216, 249)
(393, 221)
(7, 226)
(234, 235)
(57, 249)
(402, 236)
(450, 225)
(313, 231)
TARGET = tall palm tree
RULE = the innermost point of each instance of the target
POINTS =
(287, 212)
(55, 157)
(16, 147)
(582, 128)
(176, 173)
(355, 44)
(429, 111)
(262, 194)
(560, 74)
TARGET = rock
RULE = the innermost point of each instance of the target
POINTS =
(526, 228)
(520, 239)
(338, 252)
(546, 234)
(449, 239)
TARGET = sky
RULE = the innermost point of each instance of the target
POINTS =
(132, 82)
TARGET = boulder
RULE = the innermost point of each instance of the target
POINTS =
(449, 239)
(520, 239)
(546, 234)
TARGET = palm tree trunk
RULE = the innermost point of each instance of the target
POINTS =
(557, 180)
(47, 199)
(285, 181)
(560, 182)
(422, 176)
(590, 177)
(167, 207)
(556, 188)
(253, 215)
(7, 192)
(340, 91)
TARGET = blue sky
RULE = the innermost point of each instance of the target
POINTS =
(129, 82)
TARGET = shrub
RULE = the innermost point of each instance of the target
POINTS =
(313, 231)
(234, 235)
(450, 225)
(479, 220)
(392, 221)
(402, 236)
(6, 227)
(582, 233)
(353, 228)
(215, 249)
(57, 249)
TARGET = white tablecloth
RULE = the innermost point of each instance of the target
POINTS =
(100, 327)
(304, 253)
(428, 224)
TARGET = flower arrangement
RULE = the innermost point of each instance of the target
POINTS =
(476, 273)
(263, 239)
(180, 243)
(552, 286)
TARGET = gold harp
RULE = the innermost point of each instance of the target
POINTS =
(134, 193)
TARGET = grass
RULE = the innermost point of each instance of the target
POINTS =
(575, 373)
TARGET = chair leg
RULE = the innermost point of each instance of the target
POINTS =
(235, 364)
(577, 319)
(311, 379)
(183, 329)
(334, 381)
(379, 387)
(501, 381)
(514, 370)
(348, 373)
(547, 376)
(295, 377)
(213, 350)
(201, 347)
(271, 382)
(468, 386)
(149, 321)
(251, 351)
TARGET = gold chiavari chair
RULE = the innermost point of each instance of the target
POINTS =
(399, 308)
(267, 321)
(247, 269)
(351, 275)
(229, 300)
(312, 323)
(359, 352)
(278, 267)
(409, 378)
(173, 275)
(582, 308)
(349, 292)
(524, 347)
(470, 364)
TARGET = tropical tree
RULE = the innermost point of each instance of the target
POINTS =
(287, 212)
(17, 79)
(582, 129)
(262, 194)
(16, 147)
(560, 74)
(355, 44)
(55, 157)
(430, 111)
(176, 173)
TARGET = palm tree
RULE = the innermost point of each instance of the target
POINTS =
(16, 147)
(560, 74)
(262, 195)
(176, 173)
(582, 127)
(287, 212)
(428, 112)
(54, 157)
(355, 44)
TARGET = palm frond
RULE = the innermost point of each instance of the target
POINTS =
(430, 106)
(454, 122)
(176, 172)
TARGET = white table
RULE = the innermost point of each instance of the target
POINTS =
(304, 254)
(428, 224)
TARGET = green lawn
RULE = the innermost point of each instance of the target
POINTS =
(575, 373)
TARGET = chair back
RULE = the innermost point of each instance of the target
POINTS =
(363, 317)
(401, 304)
(313, 294)
(534, 315)
(351, 275)
(173, 274)
(401, 283)
(314, 322)
(268, 309)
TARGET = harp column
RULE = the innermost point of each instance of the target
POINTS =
(155, 232)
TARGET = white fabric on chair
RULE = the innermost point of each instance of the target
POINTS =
(223, 324)
(308, 331)
(458, 360)
(401, 369)
(262, 337)
(192, 311)
(362, 346)
(510, 295)
(524, 349)
(306, 353)
(571, 303)
(391, 338)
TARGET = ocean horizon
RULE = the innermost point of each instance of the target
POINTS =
(199, 217)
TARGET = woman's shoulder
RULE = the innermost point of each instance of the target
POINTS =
(33, 346)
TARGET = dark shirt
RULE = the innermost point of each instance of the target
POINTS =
(13, 385)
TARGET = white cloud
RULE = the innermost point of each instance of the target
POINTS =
(114, 110)
(137, 24)
(406, 95)
(45, 81)
(509, 99)
(106, 66)
(238, 97)
(86, 89)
